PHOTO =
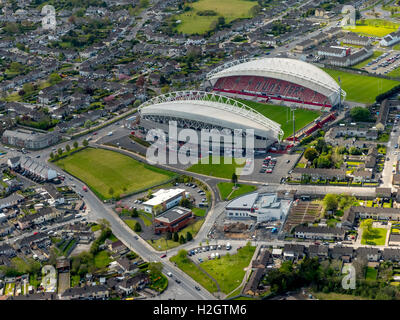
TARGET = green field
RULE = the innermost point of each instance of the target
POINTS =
(187, 266)
(102, 169)
(375, 55)
(229, 271)
(225, 188)
(222, 170)
(278, 114)
(192, 23)
(336, 296)
(371, 274)
(395, 73)
(361, 88)
(374, 27)
(102, 259)
(378, 238)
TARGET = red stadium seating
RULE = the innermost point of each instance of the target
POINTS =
(270, 88)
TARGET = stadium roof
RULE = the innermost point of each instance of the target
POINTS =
(291, 70)
(214, 109)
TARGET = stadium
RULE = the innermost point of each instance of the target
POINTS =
(276, 80)
(203, 110)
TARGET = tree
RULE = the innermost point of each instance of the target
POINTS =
(324, 161)
(28, 88)
(54, 78)
(321, 145)
(234, 178)
(182, 239)
(85, 143)
(51, 155)
(310, 154)
(59, 151)
(189, 236)
(137, 103)
(176, 237)
(76, 144)
(67, 147)
(155, 268)
(186, 203)
(137, 227)
(135, 213)
(330, 202)
(360, 114)
(355, 151)
(88, 124)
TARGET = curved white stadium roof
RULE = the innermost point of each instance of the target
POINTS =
(212, 109)
(291, 70)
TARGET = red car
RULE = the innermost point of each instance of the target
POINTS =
(163, 256)
(94, 133)
(35, 233)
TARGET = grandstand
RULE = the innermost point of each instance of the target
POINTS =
(278, 80)
(202, 110)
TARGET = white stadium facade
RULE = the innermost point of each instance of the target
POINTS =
(201, 110)
(278, 80)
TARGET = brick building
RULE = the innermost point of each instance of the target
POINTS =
(172, 220)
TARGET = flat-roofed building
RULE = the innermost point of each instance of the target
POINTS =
(259, 206)
(163, 200)
(172, 220)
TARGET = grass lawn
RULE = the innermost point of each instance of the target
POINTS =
(375, 55)
(377, 237)
(75, 280)
(336, 296)
(278, 114)
(187, 266)
(161, 245)
(159, 284)
(395, 73)
(371, 274)
(361, 88)
(374, 27)
(199, 212)
(147, 222)
(192, 23)
(228, 271)
(131, 223)
(222, 170)
(103, 169)
(225, 188)
(102, 259)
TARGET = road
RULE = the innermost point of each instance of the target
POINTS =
(389, 164)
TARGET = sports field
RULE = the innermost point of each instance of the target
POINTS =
(221, 170)
(102, 169)
(278, 114)
(361, 88)
(374, 27)
(192, 23)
